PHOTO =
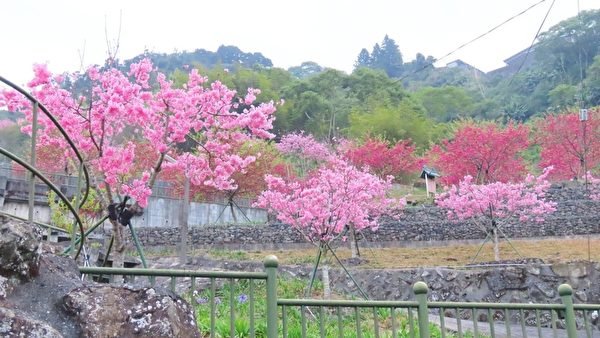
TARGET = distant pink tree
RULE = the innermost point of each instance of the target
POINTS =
(491, 205)
(120, 111)
(304, 151)
(487, 152)
(385, 159)
(568, 144)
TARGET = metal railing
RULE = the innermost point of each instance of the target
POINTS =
(266, 315)
(35, 173)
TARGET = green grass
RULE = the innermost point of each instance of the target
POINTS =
(239, 299)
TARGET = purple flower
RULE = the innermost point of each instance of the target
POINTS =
(242, 298)
(201, 300)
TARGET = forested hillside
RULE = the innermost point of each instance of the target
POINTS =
(392, 97)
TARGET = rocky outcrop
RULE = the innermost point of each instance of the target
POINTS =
(42, 295)
(118, 312)
(19, 249)
(16, 324)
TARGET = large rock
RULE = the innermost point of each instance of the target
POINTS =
(20, 249)
(16, 324)
(110, 311)
(42, 295)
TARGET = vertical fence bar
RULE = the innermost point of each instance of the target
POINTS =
(303, 320)
(420, 290)
(474, 318)
(271, 264)
(523, 328)
(411, 322)
(231, 308)
(442, 323)
(251, 308)
(284, 320)
(357, 319)
(538, 323)
(586, 322)
(565, 291)
(393, 315)
(375, 322)
(491, 322)
(458, 323)
(322, 322)
(554, 320)
(340, 325)
(507, 322)
(34, 127)
(212, 307)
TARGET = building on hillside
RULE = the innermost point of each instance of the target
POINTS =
(523, 59)
(429, 175)
(458, 63)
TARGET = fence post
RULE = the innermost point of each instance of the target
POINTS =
(565, 291)
(420, 289)
(32, 161)
(271, 264)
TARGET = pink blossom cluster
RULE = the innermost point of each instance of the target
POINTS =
(498, 201)
(331, 198)
(305, 146)
(123, 109)
(594, 186)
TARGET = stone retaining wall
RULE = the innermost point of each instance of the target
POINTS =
(575, 215)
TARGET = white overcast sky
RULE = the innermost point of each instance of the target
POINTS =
(328, 32)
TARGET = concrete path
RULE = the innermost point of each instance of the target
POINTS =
(500, 331)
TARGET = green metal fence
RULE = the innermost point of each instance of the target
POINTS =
(267, 315)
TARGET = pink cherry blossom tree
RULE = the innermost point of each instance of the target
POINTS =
(310, 157)
(120, 111)
(330, 200)
(491, 205)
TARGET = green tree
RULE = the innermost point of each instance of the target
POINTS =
(446, 103)
(363, 60)
(403, 121)
(391, 58)
(364, 83)
(305, 70)
(591, 84)
(562, 97)
(569, 47)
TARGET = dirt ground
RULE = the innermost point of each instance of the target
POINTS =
(549, 250)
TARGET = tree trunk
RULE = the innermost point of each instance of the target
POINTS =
(119, 243)
(325, 279)
(353, 245)
(183, 222)
(496, 244)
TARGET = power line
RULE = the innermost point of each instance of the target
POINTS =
(532, 43)
(474, 39)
